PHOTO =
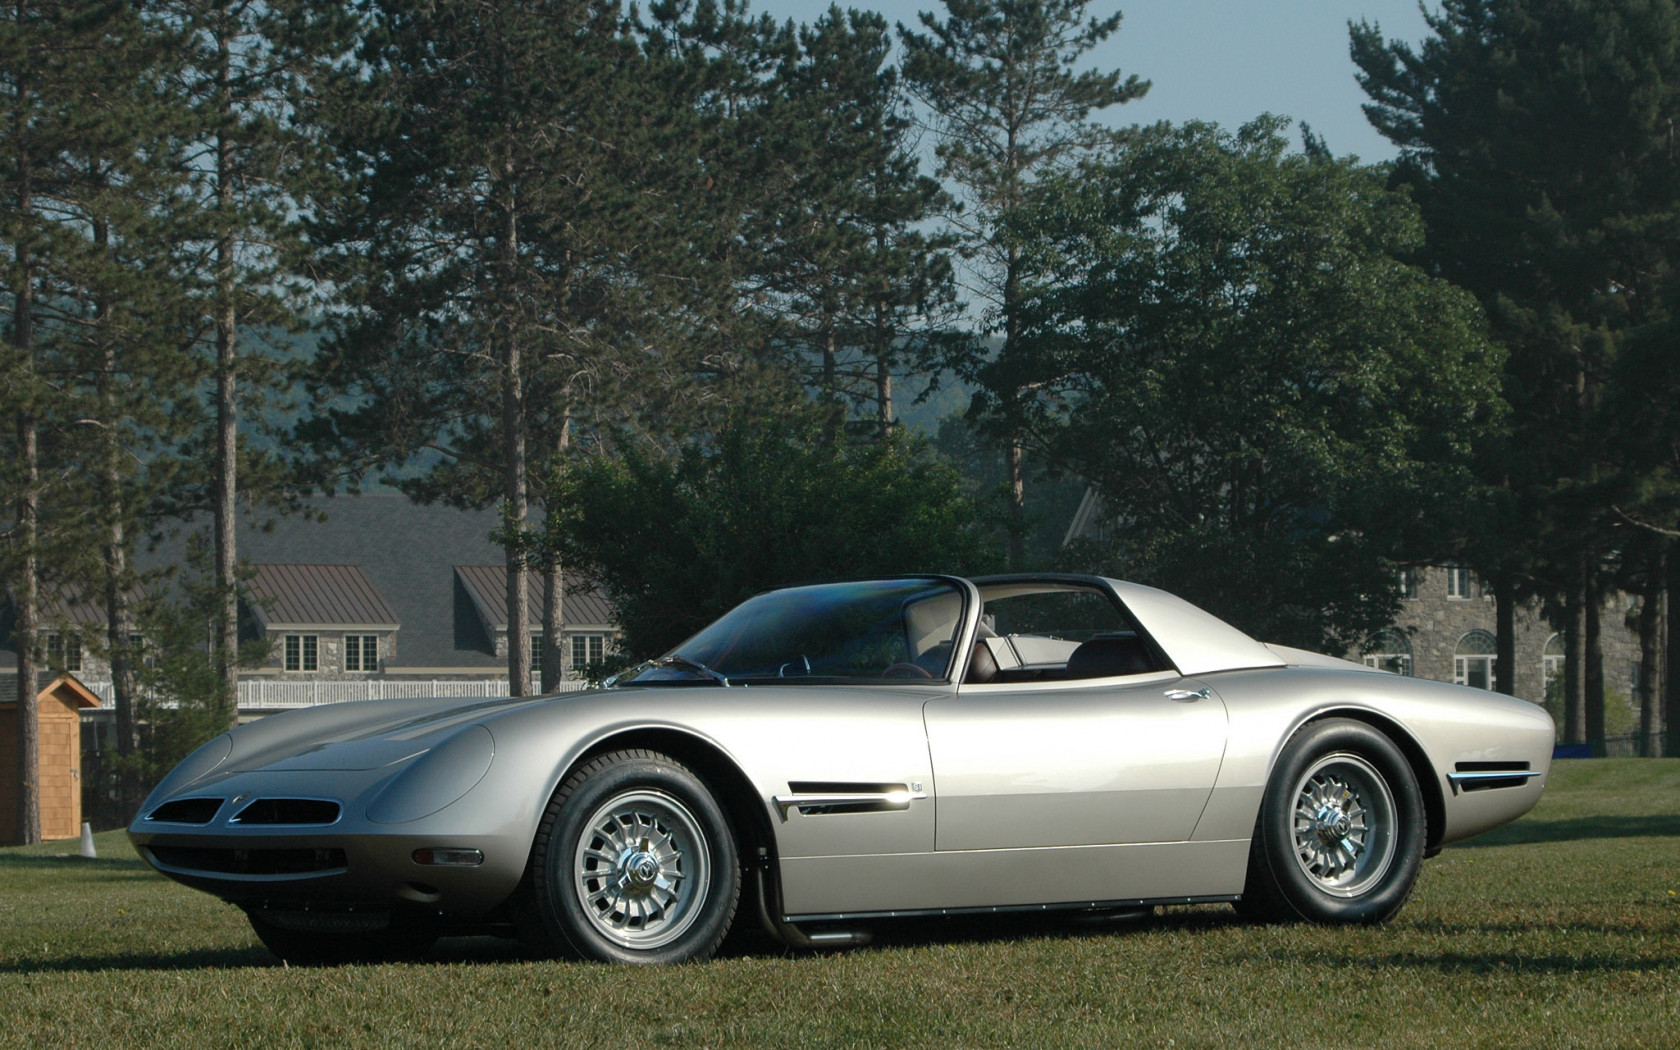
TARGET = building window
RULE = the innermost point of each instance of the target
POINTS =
(301, 650)
(1458, 581)
(361, 652)
(64, 651)
(588, 649)
(1408, 581)
(1388, 650)
(1473, 660)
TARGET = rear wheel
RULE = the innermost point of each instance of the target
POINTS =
(635, 862)
(1340, 834)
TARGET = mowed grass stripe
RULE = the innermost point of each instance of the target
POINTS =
(1562, 930)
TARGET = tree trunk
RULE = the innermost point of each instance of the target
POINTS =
(1505, 631)
(24, 632)
(516, 504)
(1671, 682)
(1013, 460)
(1650, 659)
(119, 619)
(26, 585)
(554, 586)
(1594, 679)
(883, 358)
(884, 396)
(554, 622)
(1575, 660)
(227, 404)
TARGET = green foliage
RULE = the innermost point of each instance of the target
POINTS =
(1270, 403)
(852, 281)
(179, 700)
(1012, 108)
(677, 543)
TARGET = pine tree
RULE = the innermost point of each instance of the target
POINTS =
(1537, 137)
(248, 169)
(852, 277)
(1000, 77)
(506, 258)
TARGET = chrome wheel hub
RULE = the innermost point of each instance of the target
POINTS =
(640, 870)
(1344, 824)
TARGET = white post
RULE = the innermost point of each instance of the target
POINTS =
(87, 842)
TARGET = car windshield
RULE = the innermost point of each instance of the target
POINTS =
(892, 630)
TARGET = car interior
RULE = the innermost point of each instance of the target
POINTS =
(1055, 633)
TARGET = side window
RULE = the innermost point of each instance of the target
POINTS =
(1062, 633)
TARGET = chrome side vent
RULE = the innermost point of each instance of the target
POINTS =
(186, 811)
(292, 812)
(813, 798)
(1486, 776)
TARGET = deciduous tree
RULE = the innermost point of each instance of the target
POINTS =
(1271, 404)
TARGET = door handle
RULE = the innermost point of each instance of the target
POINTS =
(1188, 696)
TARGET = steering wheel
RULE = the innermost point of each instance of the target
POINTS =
(904, 669)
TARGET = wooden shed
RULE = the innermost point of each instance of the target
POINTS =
(58, 708)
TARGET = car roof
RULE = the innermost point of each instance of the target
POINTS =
(1196, 641)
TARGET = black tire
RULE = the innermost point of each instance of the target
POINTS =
(334, 948)
(635, 862)
(1340, 834)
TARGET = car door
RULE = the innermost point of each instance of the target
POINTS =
(1074, 763)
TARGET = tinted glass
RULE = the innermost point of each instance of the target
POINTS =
(882, 629)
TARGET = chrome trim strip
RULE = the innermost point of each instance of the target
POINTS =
(806, 801)
(1014, 909)
(1491, 774)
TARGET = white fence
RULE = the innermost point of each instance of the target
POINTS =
(269, 695)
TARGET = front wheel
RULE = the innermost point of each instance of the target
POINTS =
(635, 862)
(1340, 834)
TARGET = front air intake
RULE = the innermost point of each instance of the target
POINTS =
(292, 812)
(186, 811)
(248, 861)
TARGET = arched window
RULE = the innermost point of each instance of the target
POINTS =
(1473, 660)
(1388, 650)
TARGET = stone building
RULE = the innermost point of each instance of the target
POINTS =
(1445, 631)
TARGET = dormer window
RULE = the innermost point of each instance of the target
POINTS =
(302, 652)
(361, 652)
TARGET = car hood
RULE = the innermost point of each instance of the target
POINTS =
(357, 736)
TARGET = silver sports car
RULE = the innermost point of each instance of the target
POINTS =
(825, 756)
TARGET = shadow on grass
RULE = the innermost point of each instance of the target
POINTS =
(1530, 831)
(206, 959)
(73, 866)
(1485, 963)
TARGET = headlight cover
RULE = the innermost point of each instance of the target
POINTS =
(435, 779)
(194, 767)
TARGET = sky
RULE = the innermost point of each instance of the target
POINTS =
(1225, 61)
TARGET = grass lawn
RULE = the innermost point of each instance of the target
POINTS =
(1562, 930)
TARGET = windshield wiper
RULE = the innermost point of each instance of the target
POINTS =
(674, 660)
(679, 660)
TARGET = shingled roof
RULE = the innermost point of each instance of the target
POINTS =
(407, 552)
(486, 586)
(296, 597)
(375, 562)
